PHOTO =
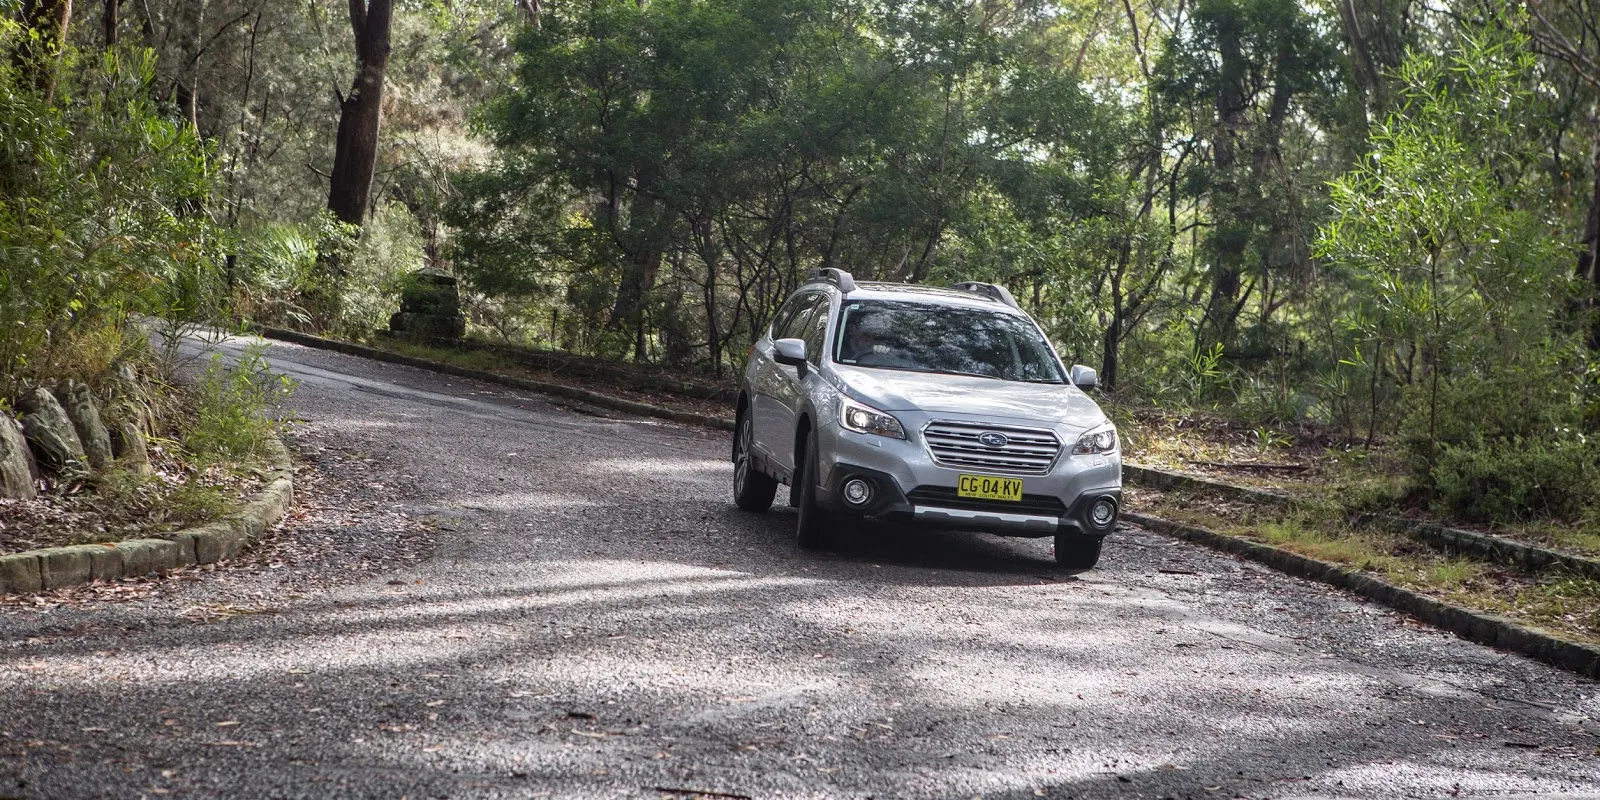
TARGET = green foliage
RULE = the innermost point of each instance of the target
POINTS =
(278, 269)
(232, 424)
(1518, 479)
(193, 502)
(102, 216)
(655, 153)
(387, 251)
(1452, 264)
(1261, 208)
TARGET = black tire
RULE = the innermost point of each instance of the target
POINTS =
(812, 531)
(1078, 552)
(753, 490)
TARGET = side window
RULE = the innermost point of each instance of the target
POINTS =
(816, 332)
(792, 325)
(787, 313)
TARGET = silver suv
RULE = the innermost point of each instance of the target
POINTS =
(942, 407)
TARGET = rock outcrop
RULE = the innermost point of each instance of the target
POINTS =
(85, 415)
(16, 463)
(126, 422)
(51, 434)
(128, 418)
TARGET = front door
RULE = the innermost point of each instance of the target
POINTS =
(792, 394)
(774, 384)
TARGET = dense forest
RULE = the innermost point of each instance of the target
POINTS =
(1381, 216)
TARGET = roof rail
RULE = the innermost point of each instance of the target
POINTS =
(838, 277)
(992, 291)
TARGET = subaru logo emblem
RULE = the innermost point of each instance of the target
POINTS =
(993, 439)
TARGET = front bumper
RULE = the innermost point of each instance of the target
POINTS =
(938, 506)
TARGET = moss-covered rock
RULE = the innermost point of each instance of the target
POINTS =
(79, 404)
(16, 463)
(51, 435)
(430, 307)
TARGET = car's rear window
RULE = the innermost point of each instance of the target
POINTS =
(922, 337)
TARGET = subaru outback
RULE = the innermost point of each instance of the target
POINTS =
(928, 406)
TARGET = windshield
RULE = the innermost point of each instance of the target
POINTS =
(919, 337)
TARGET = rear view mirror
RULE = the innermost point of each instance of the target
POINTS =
(1084, 378)
(791, 352)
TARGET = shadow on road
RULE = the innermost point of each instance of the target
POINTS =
(599, 619)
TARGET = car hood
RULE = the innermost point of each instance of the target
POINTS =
(891, 390)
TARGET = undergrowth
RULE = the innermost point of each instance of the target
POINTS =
(1556, 601)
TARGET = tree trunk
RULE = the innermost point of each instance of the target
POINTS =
(37, 63)
(188, 89)
(1368, 80)
(1110, 344)
(642, 245)
(355, 156)
(1231, 236)
(109, 23)
(1589, 248)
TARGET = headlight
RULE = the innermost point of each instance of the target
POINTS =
(1099, 440)
(866, 419)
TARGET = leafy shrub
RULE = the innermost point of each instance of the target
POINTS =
(231, 423)
(1518, 479)
(278, 273)
(389, 250)
(102, 215)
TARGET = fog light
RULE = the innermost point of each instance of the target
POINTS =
(1103, 512)
(857, 491)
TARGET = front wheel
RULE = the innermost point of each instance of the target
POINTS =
(753, 490)
(1078, 552)
(812, 532)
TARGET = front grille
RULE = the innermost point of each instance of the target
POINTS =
(1027, 451)
(945, 497)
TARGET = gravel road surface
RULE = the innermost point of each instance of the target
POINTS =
(496, 594)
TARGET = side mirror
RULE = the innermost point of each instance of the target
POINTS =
(791, 352)
(1084, 378)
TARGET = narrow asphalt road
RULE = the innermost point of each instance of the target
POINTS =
(595, 619)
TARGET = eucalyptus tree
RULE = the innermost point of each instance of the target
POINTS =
(1441, 237)
(1568, 31)
(1243, 73)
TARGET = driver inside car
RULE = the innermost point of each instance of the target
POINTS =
(868, 341)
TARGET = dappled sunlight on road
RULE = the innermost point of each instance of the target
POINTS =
(701, 471)
(394, 628)
(597, 618)
(526, 501)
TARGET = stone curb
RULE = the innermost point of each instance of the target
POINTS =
(56, 567)
(1486, 629)
(1453, 540)
(542, 387)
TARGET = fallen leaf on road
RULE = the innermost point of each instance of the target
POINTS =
(228, 723)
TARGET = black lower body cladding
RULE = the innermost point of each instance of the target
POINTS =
(887, 500)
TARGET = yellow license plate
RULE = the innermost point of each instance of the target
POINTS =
(986, 488)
